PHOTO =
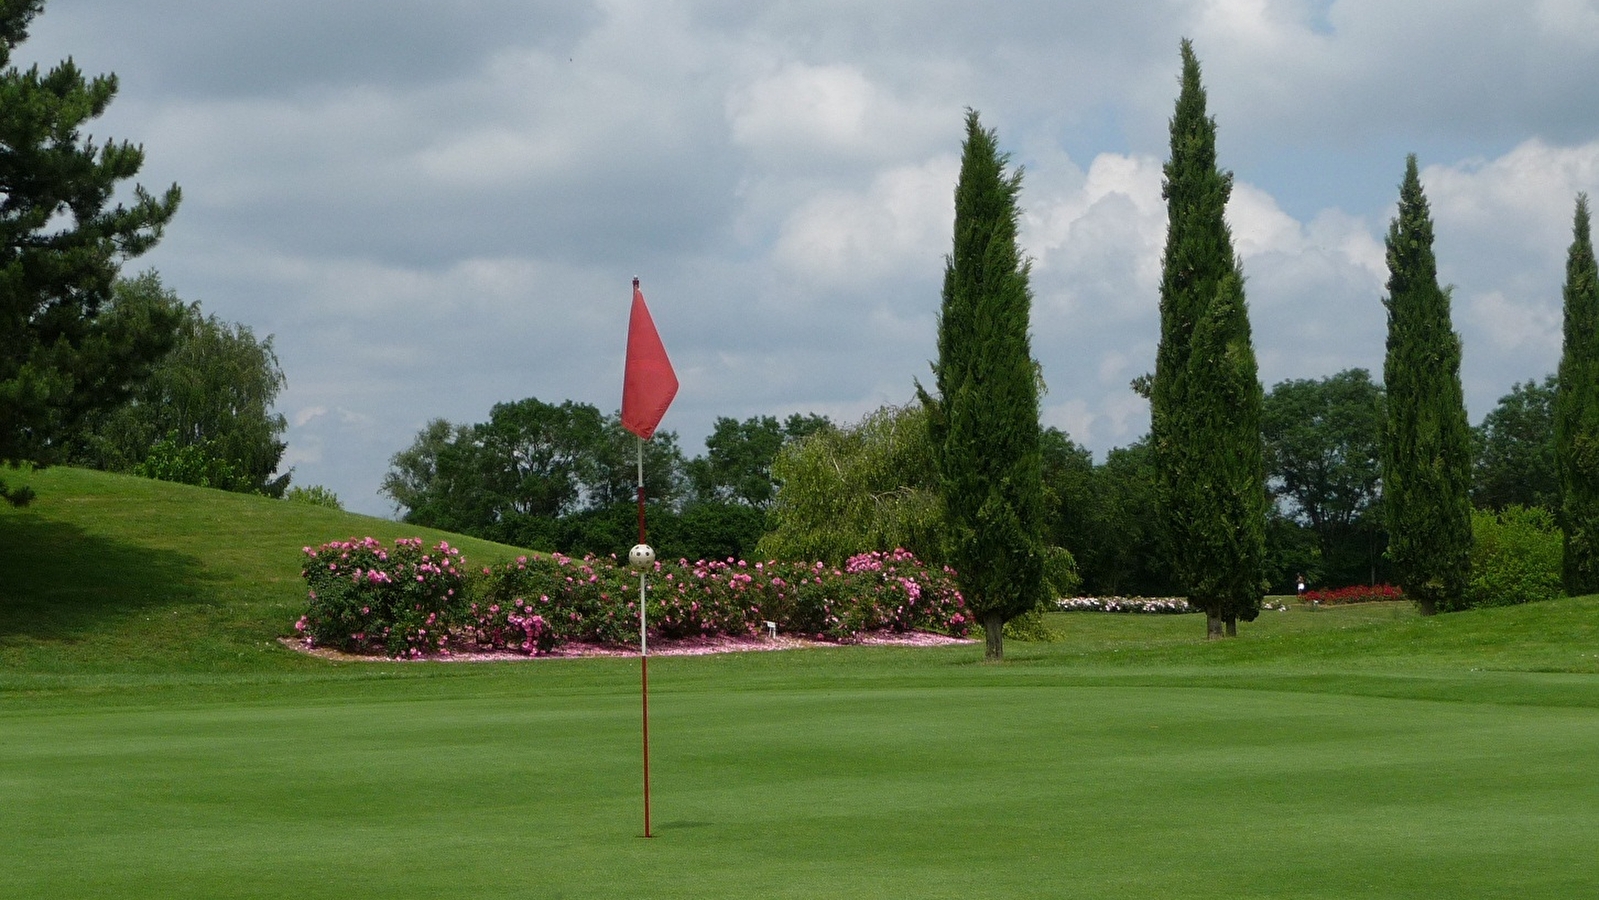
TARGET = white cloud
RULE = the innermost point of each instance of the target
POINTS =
(1525, 197)
(1569, 22)
(306, 415)
(902, 220)
(801, 112)
(1528, 331)
(1098, 237)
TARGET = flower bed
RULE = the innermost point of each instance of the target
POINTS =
(1125, 604)
(363, 598)
(1360, 593)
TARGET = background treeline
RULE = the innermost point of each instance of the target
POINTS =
(562, 477)
(203, 414)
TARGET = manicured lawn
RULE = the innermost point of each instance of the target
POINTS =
(1361, 752)
(857, 772)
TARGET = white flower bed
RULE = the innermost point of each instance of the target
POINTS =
(1140, 605)
(1125, 604)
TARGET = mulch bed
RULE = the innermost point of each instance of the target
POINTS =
(700, 646)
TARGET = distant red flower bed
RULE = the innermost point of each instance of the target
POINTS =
(1359, 593)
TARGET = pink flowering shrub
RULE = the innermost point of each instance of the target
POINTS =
(897, 592)
(1359, 593)
(519, 625)
(405, 602)
(596, 599)
(573, 600)
(705, 598)
(363, 596)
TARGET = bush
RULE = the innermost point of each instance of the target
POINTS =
(1516, 557)
(364, 597)
(1060, 573)
(315, 495)
(197, 464)
(1030, 626)
(574, 600)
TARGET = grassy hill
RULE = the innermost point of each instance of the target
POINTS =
(112, 573)
(157, 741)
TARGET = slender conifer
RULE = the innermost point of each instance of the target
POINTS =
(1577, 412)
(1426, 451)
(984, 422)
(1205, 397)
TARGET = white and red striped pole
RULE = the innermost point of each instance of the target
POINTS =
(648, 386)
(642, 557)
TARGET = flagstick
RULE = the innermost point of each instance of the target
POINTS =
(648, 386)
(643, 645)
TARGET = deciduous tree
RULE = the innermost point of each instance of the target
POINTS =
(536, 474)
(854, 488)
(737, 465)
(1514, 459)
(1323, 442)
(211, 396)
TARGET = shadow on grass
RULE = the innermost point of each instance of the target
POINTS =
(62, 583)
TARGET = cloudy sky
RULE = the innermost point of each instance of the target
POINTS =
(436, 205)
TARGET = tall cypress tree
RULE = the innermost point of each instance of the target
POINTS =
(1205, 398)
(1426, 449)
(1577, 412)
(984, 421)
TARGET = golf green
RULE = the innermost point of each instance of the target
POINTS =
(858, 772)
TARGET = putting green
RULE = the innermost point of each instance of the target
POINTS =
(861, 772)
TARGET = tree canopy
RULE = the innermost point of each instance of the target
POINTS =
(1324, 462)
(208, 400)
(562, 476)
(1514, 462)
(737, 465)
(62, 243)
(531, 462)
(855, 488)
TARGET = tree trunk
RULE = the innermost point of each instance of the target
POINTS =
(1427, 605)
(1212, 625)
(994, 632)
(1232, 626)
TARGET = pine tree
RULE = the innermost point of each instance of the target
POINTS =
(1205, 397)
(61, 244)
(1426, 450)
(984, 421)
(1577, 412)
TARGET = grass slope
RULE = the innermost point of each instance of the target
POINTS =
(156, 742)
(115, 573)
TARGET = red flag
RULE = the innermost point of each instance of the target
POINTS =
(649, 384)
